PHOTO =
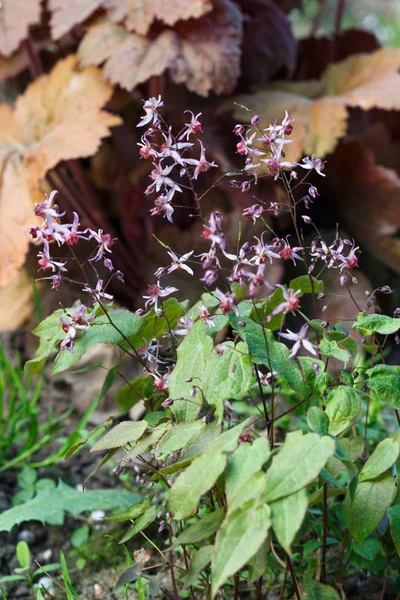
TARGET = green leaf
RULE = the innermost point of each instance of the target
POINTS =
(198, 478)
(49, 505)
(141, 523)
(178, 436)
(239, 538)
(246, 460)
(70, 592)
(313, 590)
(229, 375)
(27, 477)
(253, 489)
(331, 349)
(199, 561)
(273, 354)
(354, 446)
(149, 439)
(228, 440)
(193, 353)
(370, 548)
(365, 506)
(134, 391)
(305, 284)
(202, 529)
(342, 407)
(287, 516)
(124, 433)
(23, 554)
(298, 462)
(394, 518)
(318, 420)
(133, 512)
(156, 325)
(369, 324)
(258, 563)
(100, 332)
(384, 456)
(384, 381)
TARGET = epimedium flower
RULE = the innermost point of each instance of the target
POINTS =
(202, 165)
(179, 263)
(253, 212)
(194, 127)
(98, 293)
(162, 205)
(104, 241)
(226, 301)
(151, 107)
(289, 253)
(300, 338)
(155, 292)
(46, 263)
(171, 149)
(291, 301)
(313, 163)
(160, 178)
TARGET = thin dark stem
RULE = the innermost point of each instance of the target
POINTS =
(263, 399)
(382, 596)
(236, 587)
(171, 564)
(340, 566)
(293, 576)
(324, 533)
(339, 16)
(283, 585)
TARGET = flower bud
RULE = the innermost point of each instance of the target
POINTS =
(255, 120)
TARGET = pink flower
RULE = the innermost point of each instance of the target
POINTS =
(253, 212)
(226, 301)
(162, 205)
(202, 165)
(150, 108)
(263, 252)
(160, 178)
(170, 149)
(46, 211)
(194, 127)
(291, 302)
(46, 263)
(313, 163)
(160, 381)
(155, 292)
(300, 339)
(288, 253)
(179, 263)
(98, 293)
(104, 240)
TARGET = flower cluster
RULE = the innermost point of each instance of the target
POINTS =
(169, 155)
(52, 233)
(341, 255)
(264, 149)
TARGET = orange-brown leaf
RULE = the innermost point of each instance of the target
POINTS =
(58, 118)
(209, 58)
(363, 80)
(16, 16)
(129, 58)
(16, 301)
(65, 14)
(138, 15)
